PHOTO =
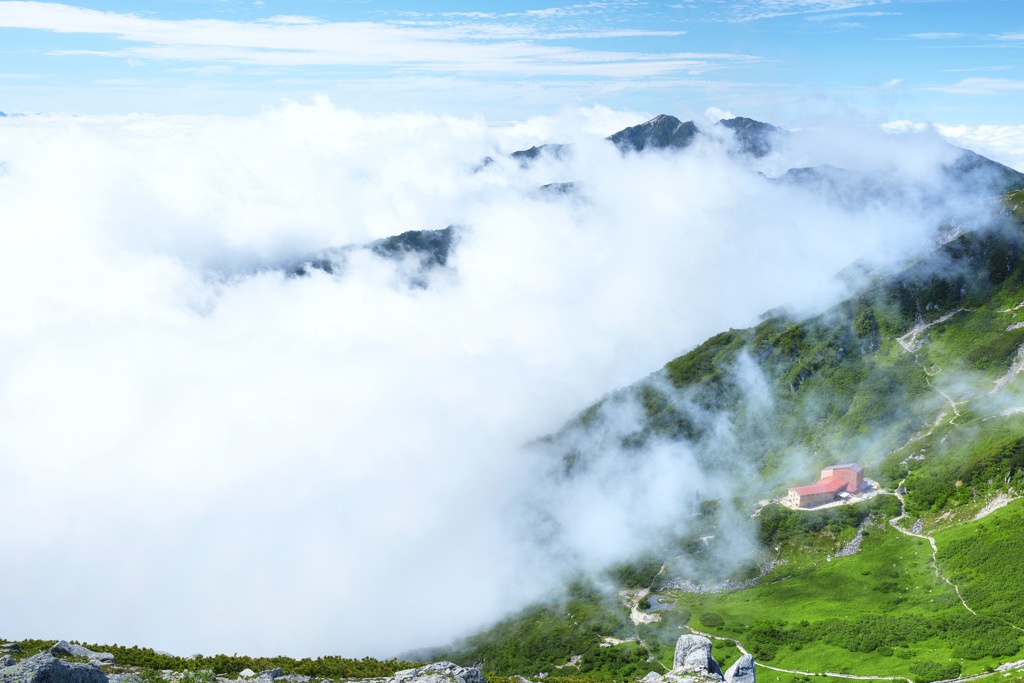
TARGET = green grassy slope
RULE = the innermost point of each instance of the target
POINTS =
(854, 383)
(841, 386)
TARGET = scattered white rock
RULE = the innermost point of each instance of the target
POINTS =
(1002, 500)
(1011, 665)
(124, 678)
(246, 673)
(439, 672)
(687, 586)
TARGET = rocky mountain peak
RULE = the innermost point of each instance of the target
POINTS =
(663, 131)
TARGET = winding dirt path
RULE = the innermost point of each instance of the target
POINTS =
(740, 647)
(910, 344)
(894, 522)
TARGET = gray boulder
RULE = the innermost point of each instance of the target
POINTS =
(743, 671)
(440, 672)
(6, 660)
(652, 677)
(124, 678)
(10, 647)
(45, 668)
(246, 673)
(272, 673)
(68, 650)
(692, 652)
(693, 655)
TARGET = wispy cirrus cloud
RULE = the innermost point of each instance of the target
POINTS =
(979, 86)
(751, 10)
(482, 47)
(935, 36)
(847, 15)
(978, 68)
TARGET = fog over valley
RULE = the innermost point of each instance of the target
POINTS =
(211, 443)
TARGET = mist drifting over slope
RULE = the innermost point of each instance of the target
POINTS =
(206, 454)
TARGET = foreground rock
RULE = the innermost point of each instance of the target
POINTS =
(693, 655)
(693, 663)
(439, 672)
(45, 668)
(743, 671)
(68, 650)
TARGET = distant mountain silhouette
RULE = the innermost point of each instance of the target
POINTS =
(754, 137)
(433, 247)
(527, 156)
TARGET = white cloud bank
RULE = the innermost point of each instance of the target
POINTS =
(1004, 144)
(200, 458)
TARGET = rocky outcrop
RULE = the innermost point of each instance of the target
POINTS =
(693, 655)
(693, 663)
(68, 650)
(743, 671)
(45, 668)
(661, 132)
(10, 647)
(439, 672)
(6, 661)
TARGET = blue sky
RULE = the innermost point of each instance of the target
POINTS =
(788, 61)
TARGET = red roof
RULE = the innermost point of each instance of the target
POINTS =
(826, 485)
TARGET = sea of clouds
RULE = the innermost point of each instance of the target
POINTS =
(202, 453)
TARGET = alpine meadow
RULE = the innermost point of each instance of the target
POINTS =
(608, 342)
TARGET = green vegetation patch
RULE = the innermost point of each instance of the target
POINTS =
(879, 612)
(544, 637)
(146, 658)
(986, 560)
